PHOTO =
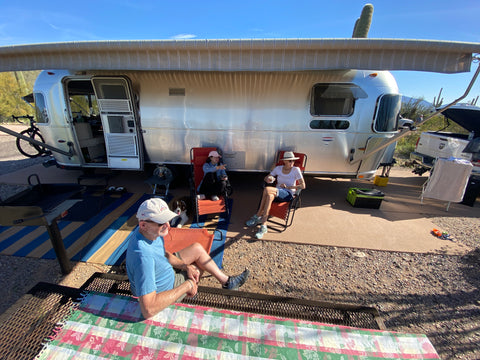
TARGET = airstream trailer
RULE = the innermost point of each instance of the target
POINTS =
(122, 121)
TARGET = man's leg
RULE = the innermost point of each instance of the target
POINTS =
(196, 254)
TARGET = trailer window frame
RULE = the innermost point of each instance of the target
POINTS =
(41, 111)
(334, 99)
(385, 120)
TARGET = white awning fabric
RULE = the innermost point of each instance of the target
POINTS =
(243, 55)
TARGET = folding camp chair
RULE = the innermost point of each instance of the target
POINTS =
(447, 181)
(198, 157)
(285, 211)
(180, 238)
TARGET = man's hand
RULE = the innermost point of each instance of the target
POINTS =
(193, 273)
(193, 288)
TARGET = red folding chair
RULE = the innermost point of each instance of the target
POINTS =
(285, 211)
(180, 238)
(198, 156)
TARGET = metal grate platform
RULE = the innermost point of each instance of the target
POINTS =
(319, 311)
(27, 323)
(31, 320)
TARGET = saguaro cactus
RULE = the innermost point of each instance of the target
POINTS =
(362, 25)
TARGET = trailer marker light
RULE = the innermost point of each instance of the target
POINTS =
(372, 75)
(50, 73)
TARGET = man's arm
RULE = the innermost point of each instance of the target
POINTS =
(152, 303)
(192, 271)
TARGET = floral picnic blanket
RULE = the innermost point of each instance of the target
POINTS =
(106, 326)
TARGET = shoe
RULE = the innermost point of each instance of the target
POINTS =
(254, 220)
(234, 282)
(215, 198)
(201, 197)
(261, 232)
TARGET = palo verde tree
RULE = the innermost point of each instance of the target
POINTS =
(14, 85)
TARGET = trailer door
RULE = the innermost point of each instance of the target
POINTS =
(119, 121)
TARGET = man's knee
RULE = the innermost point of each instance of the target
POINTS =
(196, 248)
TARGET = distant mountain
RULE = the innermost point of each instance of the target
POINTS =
(423, 103)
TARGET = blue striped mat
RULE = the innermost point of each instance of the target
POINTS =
(102, 239)
(95, 240)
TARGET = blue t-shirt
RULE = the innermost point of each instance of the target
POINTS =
(147, 267)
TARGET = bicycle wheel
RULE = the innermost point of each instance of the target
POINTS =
(27, 148)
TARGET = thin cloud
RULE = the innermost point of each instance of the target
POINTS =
(183, 36)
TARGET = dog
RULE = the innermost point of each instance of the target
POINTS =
(181, 208)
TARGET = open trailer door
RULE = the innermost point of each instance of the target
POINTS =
(120, 124)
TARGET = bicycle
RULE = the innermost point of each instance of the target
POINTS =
(25, 147)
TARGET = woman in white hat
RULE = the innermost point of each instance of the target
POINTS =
(214, 182)
(289, 179)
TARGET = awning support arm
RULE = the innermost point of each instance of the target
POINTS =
(68, 153)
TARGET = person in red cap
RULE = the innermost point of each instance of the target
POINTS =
(159, 278)
(215, 179)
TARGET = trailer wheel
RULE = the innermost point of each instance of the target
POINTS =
(27, 148)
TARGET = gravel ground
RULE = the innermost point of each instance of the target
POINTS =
(437, 295)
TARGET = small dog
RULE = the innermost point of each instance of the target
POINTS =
(180, 207)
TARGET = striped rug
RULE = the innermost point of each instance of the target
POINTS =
(96, 240)
(102, 239)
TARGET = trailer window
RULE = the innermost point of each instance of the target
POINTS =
(334, 99)
(41, 115)
(388, 110)
(329, 124)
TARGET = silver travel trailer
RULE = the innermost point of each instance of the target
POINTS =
(122, 104)
(120, 121)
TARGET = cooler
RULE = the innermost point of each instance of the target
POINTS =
(365, 198)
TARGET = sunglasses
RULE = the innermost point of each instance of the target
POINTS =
(153, 222)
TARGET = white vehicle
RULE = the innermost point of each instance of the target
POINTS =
(121, 104)
(432, 145)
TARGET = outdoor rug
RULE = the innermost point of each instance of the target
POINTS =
(92, 231)
(107, 326)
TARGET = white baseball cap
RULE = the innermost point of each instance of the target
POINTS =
(156, 210)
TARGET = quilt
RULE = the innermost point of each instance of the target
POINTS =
(107, 326)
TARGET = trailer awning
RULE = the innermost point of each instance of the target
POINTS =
(243, 55)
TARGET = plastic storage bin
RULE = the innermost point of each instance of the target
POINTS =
(365, 198)
(380, 180)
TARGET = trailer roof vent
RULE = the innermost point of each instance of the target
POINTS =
(176, 91)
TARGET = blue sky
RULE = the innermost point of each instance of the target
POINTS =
(28, 22)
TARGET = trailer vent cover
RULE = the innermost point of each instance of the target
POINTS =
(176, 92)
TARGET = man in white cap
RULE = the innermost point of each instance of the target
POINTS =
(159, 278)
